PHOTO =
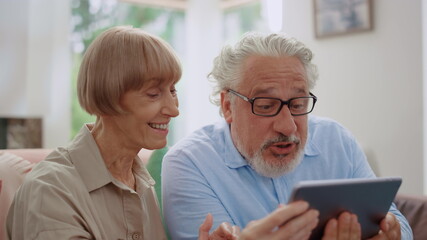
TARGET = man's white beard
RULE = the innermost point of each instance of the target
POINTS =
(272, 169)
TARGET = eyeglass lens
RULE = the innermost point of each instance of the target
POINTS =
(271, 106)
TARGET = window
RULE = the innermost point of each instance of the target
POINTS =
(90, 17)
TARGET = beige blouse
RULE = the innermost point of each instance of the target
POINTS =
(72, 195)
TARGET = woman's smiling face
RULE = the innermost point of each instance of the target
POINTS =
(148, 113)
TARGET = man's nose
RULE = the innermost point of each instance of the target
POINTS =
(285, 122)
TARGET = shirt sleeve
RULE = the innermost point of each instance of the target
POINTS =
(44, 210)
(363, 170)
(188, 198)
(406, 231)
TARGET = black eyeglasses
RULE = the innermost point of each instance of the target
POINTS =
(269, 107)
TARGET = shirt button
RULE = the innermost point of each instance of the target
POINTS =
(135, 236)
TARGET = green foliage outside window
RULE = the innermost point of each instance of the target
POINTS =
(91, 17)
(78, 116)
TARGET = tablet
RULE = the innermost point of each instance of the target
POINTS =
(369, 199)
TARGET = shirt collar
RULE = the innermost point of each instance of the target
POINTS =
(87, 159)
(141, 173)
(234, 159)
(311, 149)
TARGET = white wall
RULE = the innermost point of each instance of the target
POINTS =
(13, 54)
(202, 45)
(35, 65)
(372, 83)
(424, 32)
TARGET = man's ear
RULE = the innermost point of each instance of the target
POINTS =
(226, 106)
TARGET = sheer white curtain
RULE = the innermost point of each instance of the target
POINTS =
(35, 65)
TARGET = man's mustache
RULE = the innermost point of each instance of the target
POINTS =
(281, 138)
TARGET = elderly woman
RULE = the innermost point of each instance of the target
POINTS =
(97, 186)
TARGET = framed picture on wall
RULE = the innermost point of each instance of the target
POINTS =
(337, 17)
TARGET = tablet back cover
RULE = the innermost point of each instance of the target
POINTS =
(369, 199)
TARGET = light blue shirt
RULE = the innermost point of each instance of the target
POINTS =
(204, 173)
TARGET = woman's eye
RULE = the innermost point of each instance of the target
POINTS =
(174, 92)
(153, 95)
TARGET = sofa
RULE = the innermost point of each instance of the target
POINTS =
(15, 163)
(414, 208)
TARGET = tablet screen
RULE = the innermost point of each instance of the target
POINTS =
(369, 199)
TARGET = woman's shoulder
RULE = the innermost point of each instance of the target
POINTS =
(57, 162)
(56, 170)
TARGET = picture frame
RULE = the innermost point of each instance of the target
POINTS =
(339, 17)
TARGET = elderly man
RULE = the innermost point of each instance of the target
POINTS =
(242, 168)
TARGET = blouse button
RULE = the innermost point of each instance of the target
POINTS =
(135, 236)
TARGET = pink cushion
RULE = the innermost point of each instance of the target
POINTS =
(34, 155)
(12, 171)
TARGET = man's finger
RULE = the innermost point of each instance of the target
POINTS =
(331, 230)
(281, 215)
(344, 225)
(356, 229)
(206, 227)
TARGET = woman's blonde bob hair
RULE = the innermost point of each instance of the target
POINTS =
(122, 59)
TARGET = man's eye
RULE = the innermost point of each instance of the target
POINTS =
(297, 106)
(264, 107)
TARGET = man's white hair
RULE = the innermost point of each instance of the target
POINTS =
(227, 66)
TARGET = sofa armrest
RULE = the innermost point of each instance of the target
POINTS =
(13, 169)
(33, 155)
(414, 208)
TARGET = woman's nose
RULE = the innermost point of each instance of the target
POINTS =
(171, 106)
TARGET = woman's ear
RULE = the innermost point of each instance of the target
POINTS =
(226, 106)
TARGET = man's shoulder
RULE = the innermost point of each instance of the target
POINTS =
(318, 120)
(200, 140)
(321, 128)
(317, 123)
